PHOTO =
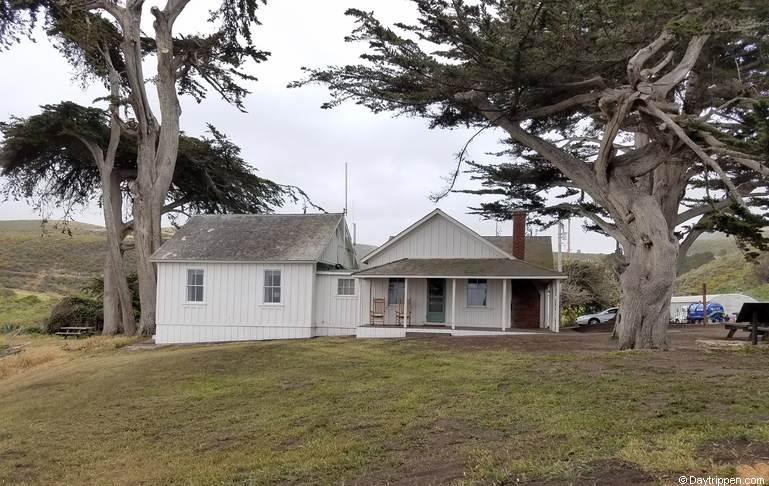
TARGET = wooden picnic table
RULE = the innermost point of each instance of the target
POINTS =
(76, 331)
(753, 318)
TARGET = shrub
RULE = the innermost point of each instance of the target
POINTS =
(29, 300)
(570, 313)
(75, 311)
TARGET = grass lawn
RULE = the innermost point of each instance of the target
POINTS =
(23, 308)
(547, 409)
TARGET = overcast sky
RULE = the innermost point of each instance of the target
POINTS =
(394, 163)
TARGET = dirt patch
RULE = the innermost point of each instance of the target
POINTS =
(436, 456)
(566, 341)
(603, 472)
(736, 451)
(613, 471)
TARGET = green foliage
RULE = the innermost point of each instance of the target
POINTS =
(569, 314)
(43, 161)
(592, 284)
(690, 262)
(548, 73)
(211, 61)
(75, 311)
(20, 310)
(94, 289)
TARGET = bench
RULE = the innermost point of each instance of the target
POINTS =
(76, 331)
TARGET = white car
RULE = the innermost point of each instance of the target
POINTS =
(600, 317)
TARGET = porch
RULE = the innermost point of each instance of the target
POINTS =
(458, 297)
(378, 331)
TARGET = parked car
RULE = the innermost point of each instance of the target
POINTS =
(598, 318)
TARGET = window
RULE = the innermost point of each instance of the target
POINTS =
(194, 285)
(476, 292)
(272, 286)
(395, 291)
(345, 286)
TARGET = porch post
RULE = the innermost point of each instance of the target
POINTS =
(504, 303)
(405, 302)
(453, 303)
(557, 306)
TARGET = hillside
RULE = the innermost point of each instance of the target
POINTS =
(43, 258)
(725, 270)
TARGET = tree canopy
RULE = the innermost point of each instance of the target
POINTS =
(640, 116)
(43, 160)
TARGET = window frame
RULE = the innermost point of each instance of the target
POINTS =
(476, 282)
(339, 282)
(391, 288)
(272, 286)
(195, 285)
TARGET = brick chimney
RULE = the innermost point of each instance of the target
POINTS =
(519, 234)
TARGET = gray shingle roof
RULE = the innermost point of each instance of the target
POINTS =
(539, 249)
(251, 238)
(458, 267)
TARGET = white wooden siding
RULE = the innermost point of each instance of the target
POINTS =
(232, 307)
(340, 250)
(335, 315)
(436, 238)
(488, 316)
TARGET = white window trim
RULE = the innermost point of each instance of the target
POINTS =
(354, 288)
(264, 287)
(187, 286)
(467, 295)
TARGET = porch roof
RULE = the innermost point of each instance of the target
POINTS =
(494, 268)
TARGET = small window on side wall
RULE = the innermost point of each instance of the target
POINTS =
(345, 286)
(476, 292)
(194, 285)
(272, 287)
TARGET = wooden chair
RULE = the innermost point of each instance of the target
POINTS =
(399, 315)
(377, 312)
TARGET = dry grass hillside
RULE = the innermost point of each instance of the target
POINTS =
(43, 258)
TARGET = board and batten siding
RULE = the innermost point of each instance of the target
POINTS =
(339, 249)
(436, 238)
(488, 316)
(233, 307)
(335, 315)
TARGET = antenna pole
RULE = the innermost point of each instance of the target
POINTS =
(345, 188)
(560, 243)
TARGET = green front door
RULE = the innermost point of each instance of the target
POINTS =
(436, 300)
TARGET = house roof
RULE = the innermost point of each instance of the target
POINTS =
(430, 215)
(460, 267)
(251, 238)
(538, 249)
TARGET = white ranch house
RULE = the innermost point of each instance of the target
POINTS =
(253, 277)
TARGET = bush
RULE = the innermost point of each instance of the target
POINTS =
(75, 311)
(29, 300)
(569, 314)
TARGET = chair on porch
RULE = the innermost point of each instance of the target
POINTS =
(377, 312)
(399, 315)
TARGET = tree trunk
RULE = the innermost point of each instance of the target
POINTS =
(648, 279)
(143, 232)
(111, 301)
(117, 281)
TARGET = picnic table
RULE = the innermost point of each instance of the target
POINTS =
(753, 318)
(76, 332)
